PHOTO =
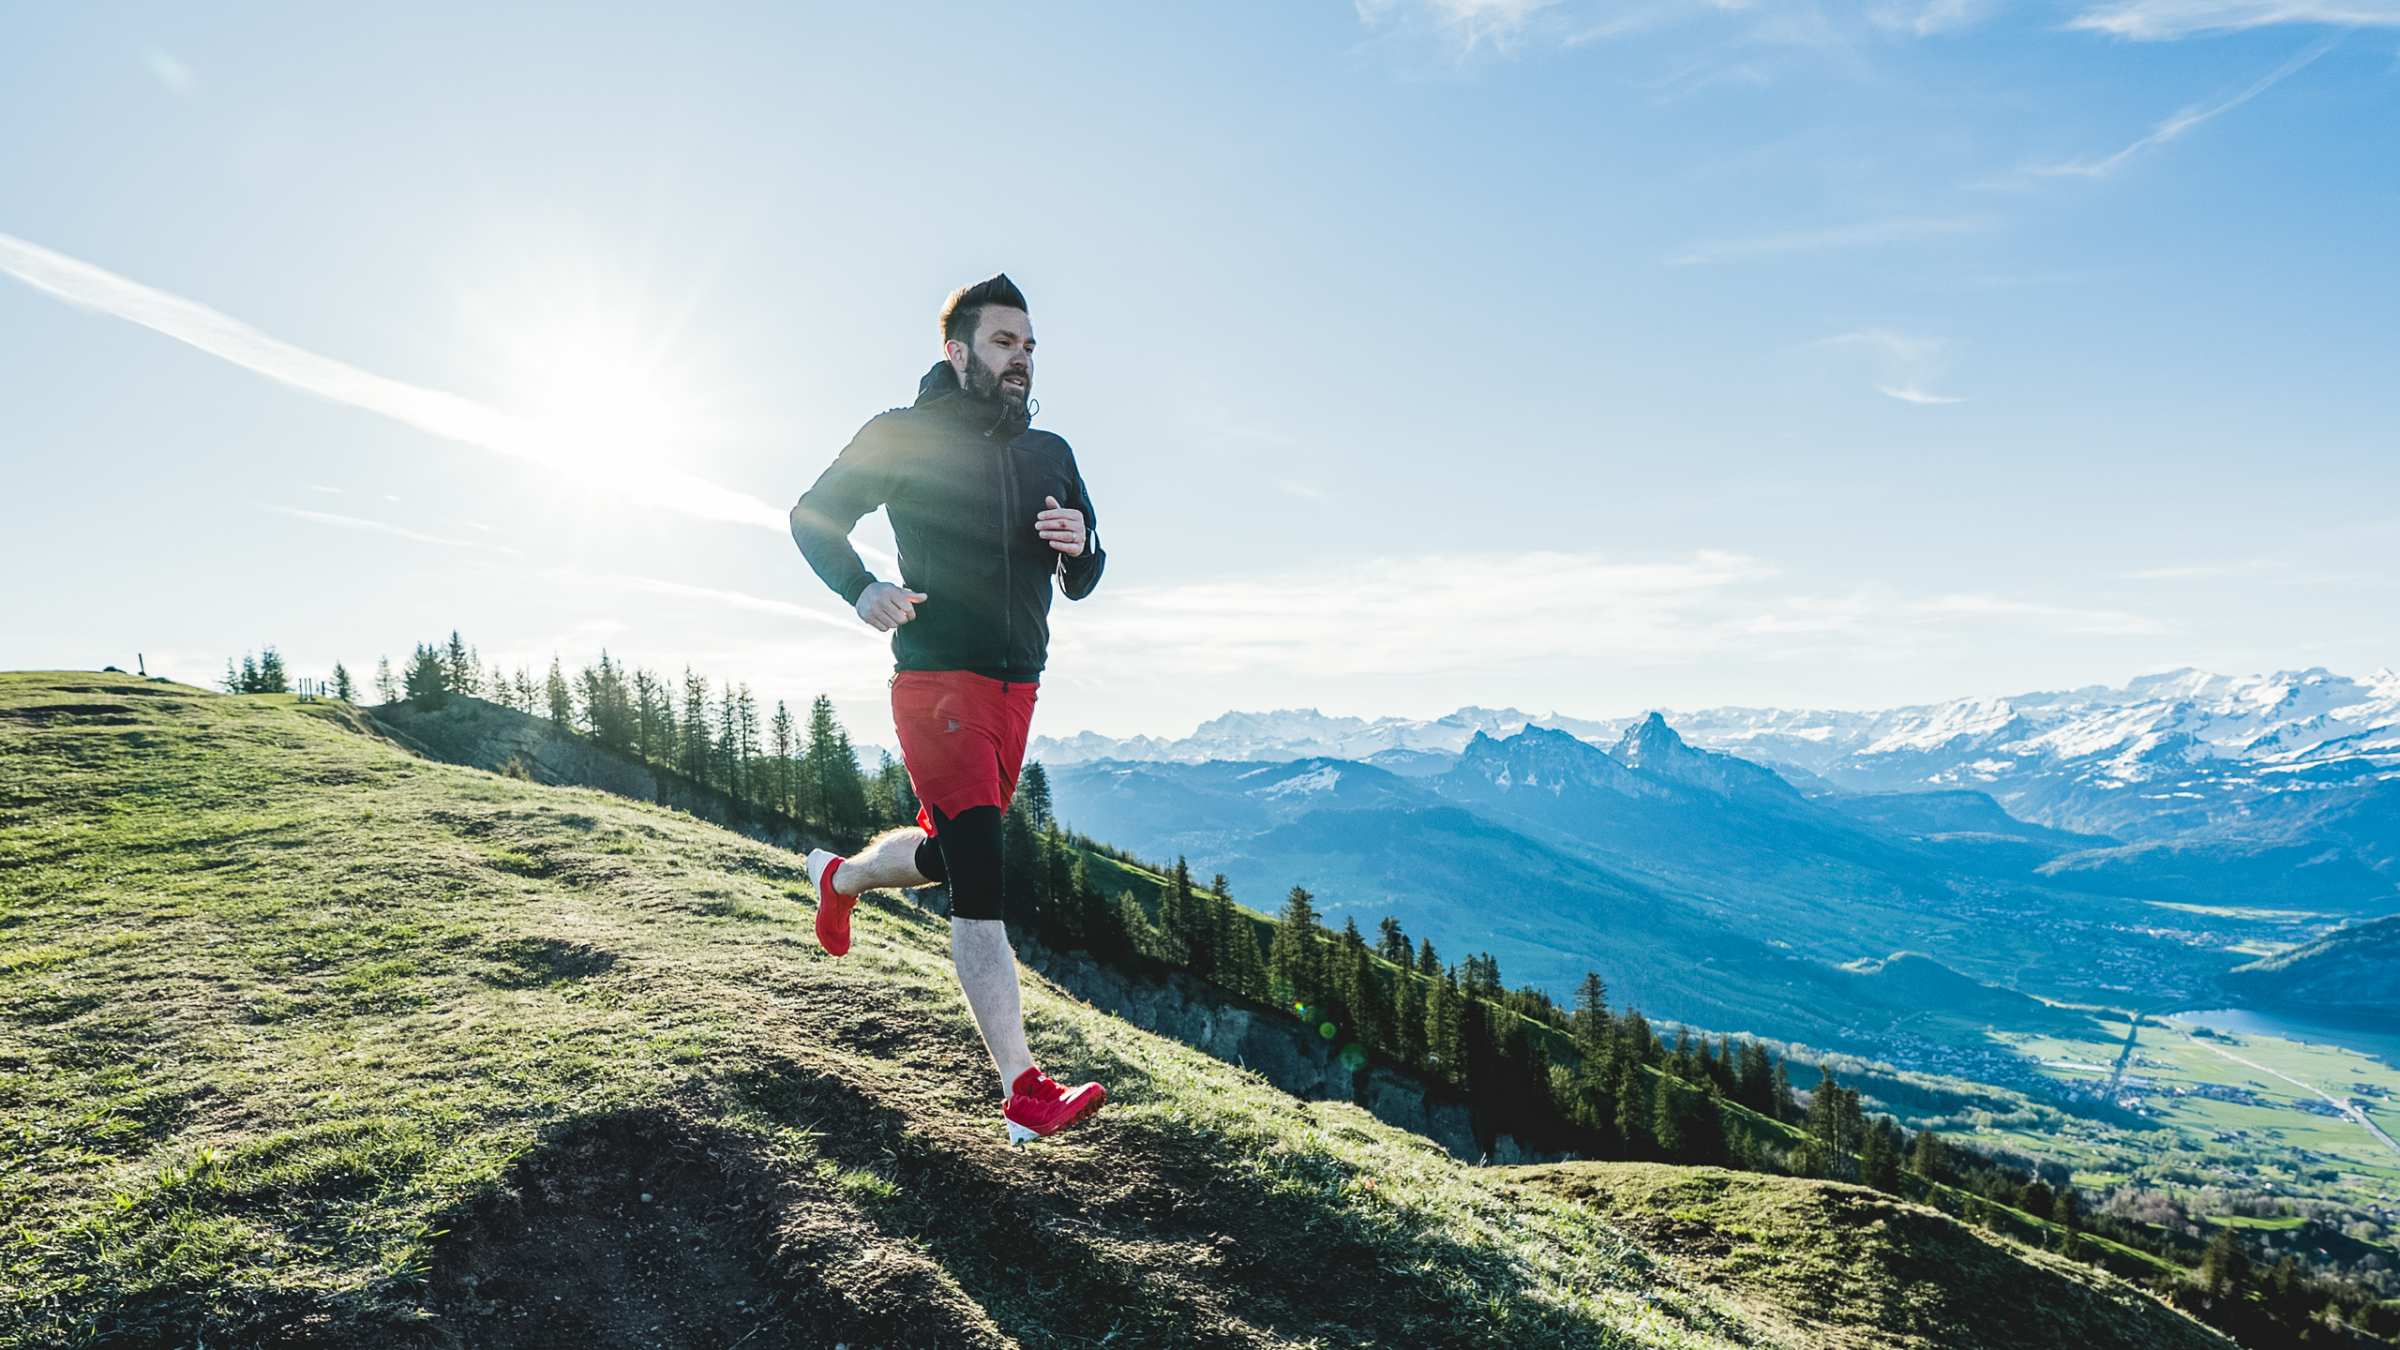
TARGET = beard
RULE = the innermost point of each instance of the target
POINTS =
(1007, 403)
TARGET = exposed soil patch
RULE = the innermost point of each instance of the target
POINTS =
(655, 1228)
(525, 962)
(628, 1231)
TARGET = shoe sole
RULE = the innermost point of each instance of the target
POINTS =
(1025, 1134)
(817, 884)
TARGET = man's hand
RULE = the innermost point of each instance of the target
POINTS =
(1062, 526)
(885, 606)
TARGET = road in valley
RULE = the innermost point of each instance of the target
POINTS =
(2341, 1104)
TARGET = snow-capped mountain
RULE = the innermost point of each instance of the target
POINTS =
(1305, 733)
(2161, 756)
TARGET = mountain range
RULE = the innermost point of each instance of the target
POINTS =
(2280, 789)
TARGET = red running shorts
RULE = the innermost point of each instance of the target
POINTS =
(962, 736)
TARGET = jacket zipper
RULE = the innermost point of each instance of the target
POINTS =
(1008, 580)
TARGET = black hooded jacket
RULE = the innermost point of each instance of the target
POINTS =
(962, 493)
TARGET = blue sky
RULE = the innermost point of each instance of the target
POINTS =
(1418, 352)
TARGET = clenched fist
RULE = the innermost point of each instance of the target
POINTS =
(1063, 526)
(885, 606)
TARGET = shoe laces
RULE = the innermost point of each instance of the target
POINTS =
(1043, 1088)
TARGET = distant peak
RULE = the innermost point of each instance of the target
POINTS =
(1651, 736)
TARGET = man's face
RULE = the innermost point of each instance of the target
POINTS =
(1000, 364)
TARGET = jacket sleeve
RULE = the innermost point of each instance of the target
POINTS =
(1078, 575)
(859, 480)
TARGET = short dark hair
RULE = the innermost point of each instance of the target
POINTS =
(964, 309)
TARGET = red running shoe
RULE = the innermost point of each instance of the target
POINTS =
(833, 907)
(1038, 1106)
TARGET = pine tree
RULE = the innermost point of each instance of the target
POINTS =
(781, 740)
(427, 684)
(1666, 1121)
(2037, 1198)
(1392, 943)
(233, 678)
(725, 768)
(343, 689)
(387, 689)
(1754, 1078)
(1292, 965)
(745, 732)
(830, 780)
(270, 673)
(692, 760)
(1408, 1016)
(458, 668)
(561, 697)
(891, 798)
(1633, 1104)
(1445, 1044)
(1366, 1007)
(1178, 921)
(1879, 1156)
(2066, 1211)
(1033, 788)
(1021, 874)
(1780, 1088)
(1924, 1154)
(248, 680)
(1429, 965)
(1591, 1014)
(2226, 1264)
(645, 716)
(526, 697)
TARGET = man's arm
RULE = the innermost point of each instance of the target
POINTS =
(1079, 574)
(858, 481)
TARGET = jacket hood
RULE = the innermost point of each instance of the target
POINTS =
(940, 389)
(938, 383)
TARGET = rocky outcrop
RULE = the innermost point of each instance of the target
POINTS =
(1273, 1045)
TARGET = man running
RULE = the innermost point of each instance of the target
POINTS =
(986, 511)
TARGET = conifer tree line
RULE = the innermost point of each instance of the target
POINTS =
(715, 734)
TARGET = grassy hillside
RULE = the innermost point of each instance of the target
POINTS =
(306, 1040)
(1845, 1266)
(307, 1037)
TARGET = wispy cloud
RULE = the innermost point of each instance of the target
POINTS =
(325, 488)
(1466, 25)
(1858, 234)
(2071, 619)
(2209, 571)
(1903, 363)
(465, 421)
(380, 527)
(173, 75)
(1925, 18)
(2155, 20)
(826, 614)
(2187, 119)
(1533, 616)
(1911, 394)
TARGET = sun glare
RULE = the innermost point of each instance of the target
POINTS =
(603, 406)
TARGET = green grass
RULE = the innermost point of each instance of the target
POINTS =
(295, 1028)
(1845, 1266)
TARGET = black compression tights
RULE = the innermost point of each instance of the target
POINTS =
(964, 850)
